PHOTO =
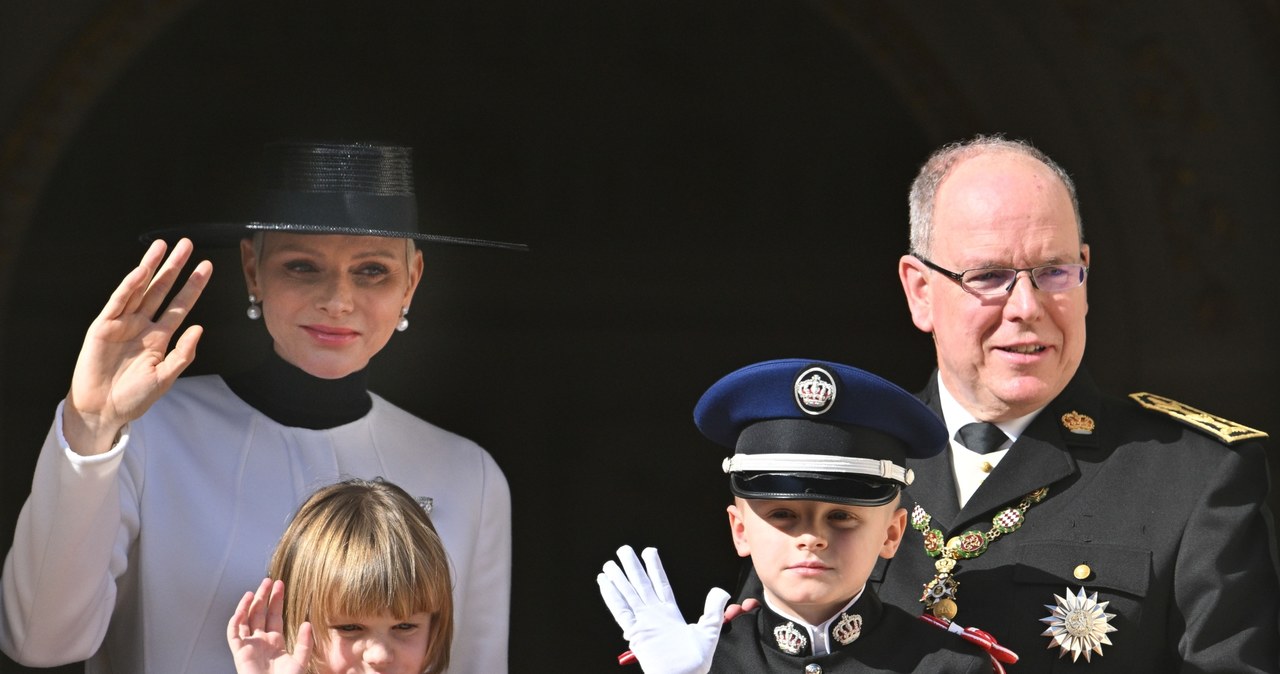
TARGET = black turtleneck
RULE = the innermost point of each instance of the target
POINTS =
(294, 398)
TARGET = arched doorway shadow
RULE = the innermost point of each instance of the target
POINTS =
(703, 185)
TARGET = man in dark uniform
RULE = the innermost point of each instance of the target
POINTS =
(818, 467)
(1084, 531)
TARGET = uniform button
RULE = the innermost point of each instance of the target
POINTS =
(985, 466)
(1082, 572)
(813, 669)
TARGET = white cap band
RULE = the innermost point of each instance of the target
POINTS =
(817, 463)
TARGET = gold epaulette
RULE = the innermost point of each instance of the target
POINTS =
(1227, 431)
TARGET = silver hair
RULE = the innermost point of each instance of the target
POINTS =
(924, 189)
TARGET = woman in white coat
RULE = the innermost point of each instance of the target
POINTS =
(156, 501)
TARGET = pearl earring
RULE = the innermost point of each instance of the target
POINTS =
(404, 320)
(254, 312)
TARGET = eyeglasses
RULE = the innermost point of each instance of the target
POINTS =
(991, 281)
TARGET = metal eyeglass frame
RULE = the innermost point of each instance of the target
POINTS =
(958, 278)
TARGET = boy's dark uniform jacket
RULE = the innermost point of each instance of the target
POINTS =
(890, 641)
(1168, 520)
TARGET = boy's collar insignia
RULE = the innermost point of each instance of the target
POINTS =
(1078, 625)
(815, 391)
(847, 629)
(790, 640)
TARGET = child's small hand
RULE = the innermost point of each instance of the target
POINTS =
(748, 605)
(256, 634)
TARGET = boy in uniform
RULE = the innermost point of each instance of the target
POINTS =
(819, 463)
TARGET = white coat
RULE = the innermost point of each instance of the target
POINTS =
(135, 559)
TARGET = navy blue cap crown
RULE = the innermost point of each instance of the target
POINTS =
(817, 430)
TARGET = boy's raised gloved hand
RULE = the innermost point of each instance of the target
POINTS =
(641, 600)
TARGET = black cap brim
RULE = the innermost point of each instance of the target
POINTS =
(840, 488)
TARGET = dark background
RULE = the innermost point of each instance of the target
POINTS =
(703, 184)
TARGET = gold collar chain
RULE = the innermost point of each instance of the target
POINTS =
(939, 596)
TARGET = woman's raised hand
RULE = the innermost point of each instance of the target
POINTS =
(126, 364)
(256, 634)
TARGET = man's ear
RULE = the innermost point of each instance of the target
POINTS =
(915, 285)
(249, 265)
(893, 534)
(739, 531)
(1085, 257)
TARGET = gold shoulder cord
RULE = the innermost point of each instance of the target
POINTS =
(939, 596)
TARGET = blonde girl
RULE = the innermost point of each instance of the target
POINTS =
(361, 584)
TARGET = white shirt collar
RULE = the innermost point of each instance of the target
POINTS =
(969, 467)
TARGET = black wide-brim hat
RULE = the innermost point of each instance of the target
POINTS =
(361, 189)
(817, 430)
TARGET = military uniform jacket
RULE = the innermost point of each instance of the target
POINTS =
(889, 640)
(1164, 522)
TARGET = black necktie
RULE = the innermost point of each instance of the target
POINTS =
(981, 436)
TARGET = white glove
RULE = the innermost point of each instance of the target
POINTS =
(645, 608)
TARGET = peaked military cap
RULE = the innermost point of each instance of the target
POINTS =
(803, 429)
